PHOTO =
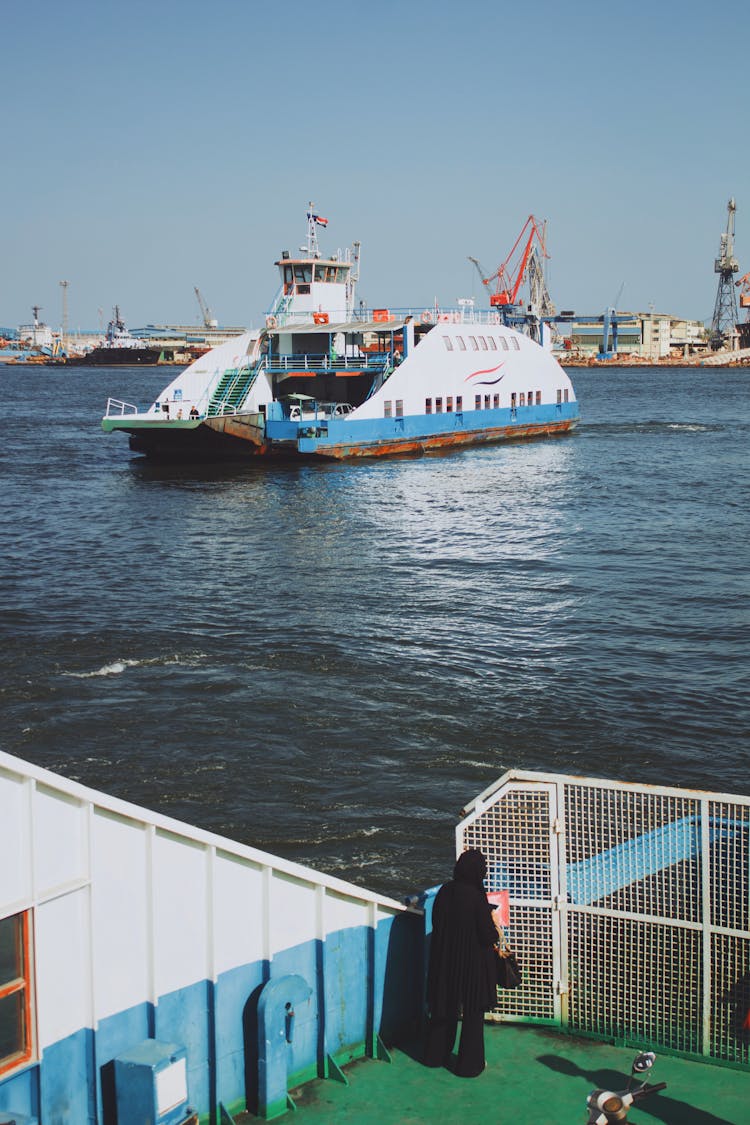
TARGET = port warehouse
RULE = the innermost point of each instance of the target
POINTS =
(129, 940)
(647, 335)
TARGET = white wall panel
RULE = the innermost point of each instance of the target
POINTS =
(15, 869)
(293, 917)
(120, 912)
(60, 840)
(62, 964)
(342, 912)
(239, 913)
(180, 912)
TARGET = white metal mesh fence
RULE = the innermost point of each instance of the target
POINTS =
(629, 908)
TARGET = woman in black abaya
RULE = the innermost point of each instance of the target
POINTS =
(462, 975)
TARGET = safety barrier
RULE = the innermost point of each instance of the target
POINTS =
(629, 908)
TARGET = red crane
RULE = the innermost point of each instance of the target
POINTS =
(509, 277)
(744, 287)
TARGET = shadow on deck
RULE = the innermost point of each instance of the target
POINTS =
(533, 1075)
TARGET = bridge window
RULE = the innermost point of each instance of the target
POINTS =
(388, 408)
(461, 344)
(504, 343)
(473, 342)
(399, 408)
(16, 1039)
(492, 343)
(448, 343)
(428, 406)
(449, 404)
(477, 402)
(516, 344)
(496, 401)
(459, 403)
(483, 343)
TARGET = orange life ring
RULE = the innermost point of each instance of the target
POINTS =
(271, 322)
(426, 317)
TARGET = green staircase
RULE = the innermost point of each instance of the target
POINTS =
(232, 390)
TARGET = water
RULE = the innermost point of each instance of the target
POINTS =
(328, 661)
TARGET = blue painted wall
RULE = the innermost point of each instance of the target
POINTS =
(364, 982)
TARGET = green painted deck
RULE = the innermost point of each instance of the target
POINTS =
(533, 1076)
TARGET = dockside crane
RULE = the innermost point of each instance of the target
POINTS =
(726, 265)
(744, 287)
(208, 319)
(508, 278)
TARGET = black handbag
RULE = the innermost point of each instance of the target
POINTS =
(508, 968)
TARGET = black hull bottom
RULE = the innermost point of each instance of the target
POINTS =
(120, 357)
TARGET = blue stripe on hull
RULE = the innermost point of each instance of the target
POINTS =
(368, 437)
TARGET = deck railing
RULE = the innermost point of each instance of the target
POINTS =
(116, 406)
(629, 908)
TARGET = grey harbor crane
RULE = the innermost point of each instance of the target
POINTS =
(726, 265)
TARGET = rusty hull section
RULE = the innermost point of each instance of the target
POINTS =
(445, 441)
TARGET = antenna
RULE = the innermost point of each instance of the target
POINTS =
(64, 286)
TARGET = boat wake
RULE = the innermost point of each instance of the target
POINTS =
(117, 667)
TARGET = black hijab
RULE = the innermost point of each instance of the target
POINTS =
(471, 868)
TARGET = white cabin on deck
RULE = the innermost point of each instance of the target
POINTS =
(314, 288)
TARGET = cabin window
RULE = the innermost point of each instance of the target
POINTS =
(477, 402)
(459, 403)
(428, 406)
(522, 399)
(559, 396)
(566, 394)
(388, 409)
(16, 1040)
(492, 343)
(303, 272)
(516, 344)
(486, 402)
(448, 343)
(438, 406)
(504, 343)
(539, 398)
(483, 343)
(449, 404)
(513, 401)
(495, 401)
(473, 342)
(461, 344)
(530, 398)
(399, 408)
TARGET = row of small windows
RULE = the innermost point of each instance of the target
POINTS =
(439, 405)
(481, 343)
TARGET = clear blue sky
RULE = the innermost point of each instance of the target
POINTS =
(149, 146)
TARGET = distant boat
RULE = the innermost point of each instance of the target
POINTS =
(119, 348)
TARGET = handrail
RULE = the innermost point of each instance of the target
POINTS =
(316, 362)
(117, 406)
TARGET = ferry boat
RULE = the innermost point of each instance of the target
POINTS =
(328, 377)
